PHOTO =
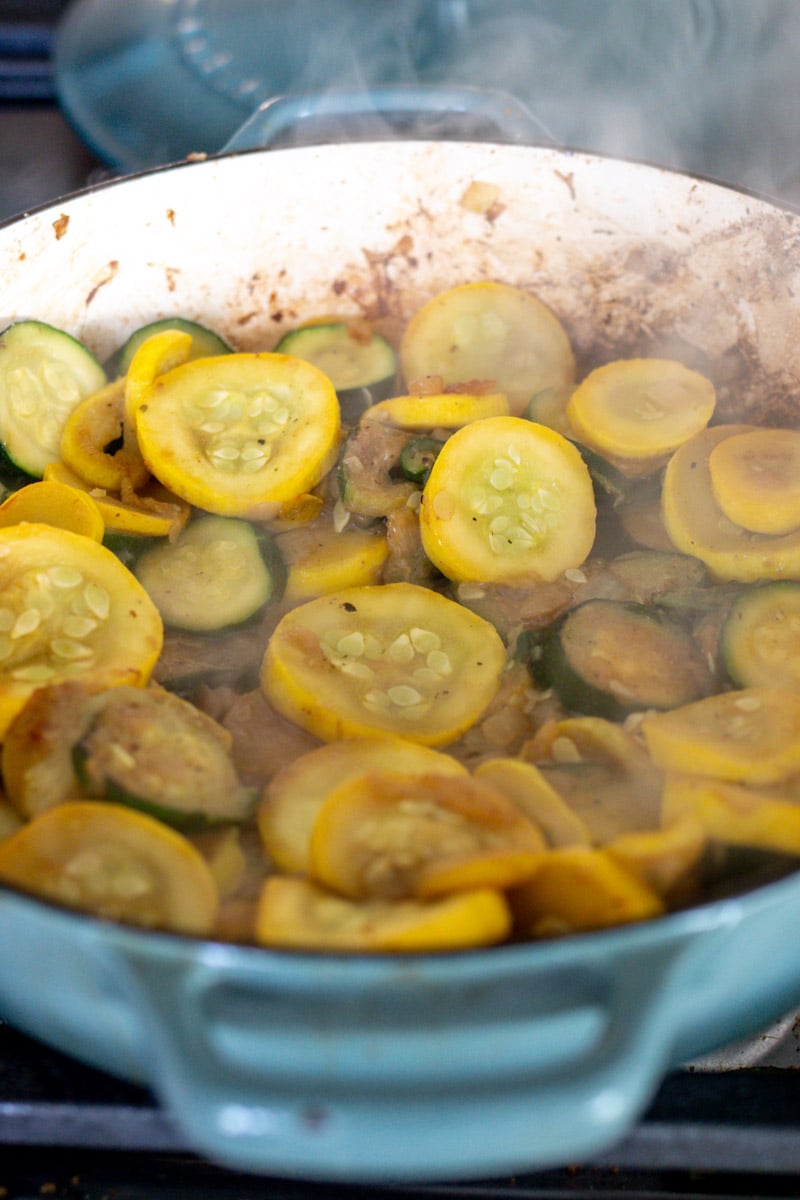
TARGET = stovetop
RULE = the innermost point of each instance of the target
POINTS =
(70, 1131)
(726, 1126)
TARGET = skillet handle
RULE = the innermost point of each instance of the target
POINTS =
(343, 114)
(400, 1071)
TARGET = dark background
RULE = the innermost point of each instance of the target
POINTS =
(40, 156)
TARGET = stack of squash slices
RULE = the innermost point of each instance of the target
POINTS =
(360, 647)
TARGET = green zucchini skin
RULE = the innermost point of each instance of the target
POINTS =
(609, 658)
(128, 547)
(418, 456)
(363, 372)
(126, 754)
(610, 485)
(12, 477)
(349, 362)
(205, 342)
(760, 640)
(50, 372)
(368, 474)
(185, 822)
(191, 593)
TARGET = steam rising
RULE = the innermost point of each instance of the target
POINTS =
(710, 86)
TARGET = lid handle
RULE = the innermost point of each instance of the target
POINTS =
(406, 110)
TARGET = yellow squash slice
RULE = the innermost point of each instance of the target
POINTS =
(397, 659)
(296, 914)
(49, 503)
(576, 889)
(697, 525)
(755, 478)
(156, 512)
(732, 814)
(665, 858)
(89, 431)
(448, 410)
(157, 354)
(69, 609)
(9, 819)
(239, 434)
(395, 836)
(491, 332)
(507, 501)
(36, 756)
(747, 736)
(319, 560)
(115, 863)
(637, 411)
(525, 785)
(295, 795)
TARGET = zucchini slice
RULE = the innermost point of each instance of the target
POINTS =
(241, 434)
(734, 815)
(525, 785)
(397, 659)
(371, 482)
(351, 355)
(36, 753)
(761, 636)
(417, 458)
(51, 503)
(611, 657)
(668, 859)
(205, 342)
(44, 375)
(489, 331)
(153, 751)
(154, 512)
(218, 573)
(507, 501)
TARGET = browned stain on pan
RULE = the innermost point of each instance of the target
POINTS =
(110, 273)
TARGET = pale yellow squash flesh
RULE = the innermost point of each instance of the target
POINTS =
(640, 409)
(297, 914)
(107, 860)
(71, 611)
(755, 478)
(490, 332)
(295, 795)
(577, 889)
(746, 736)
(697, 525)
(394, 659)
(507, 501)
